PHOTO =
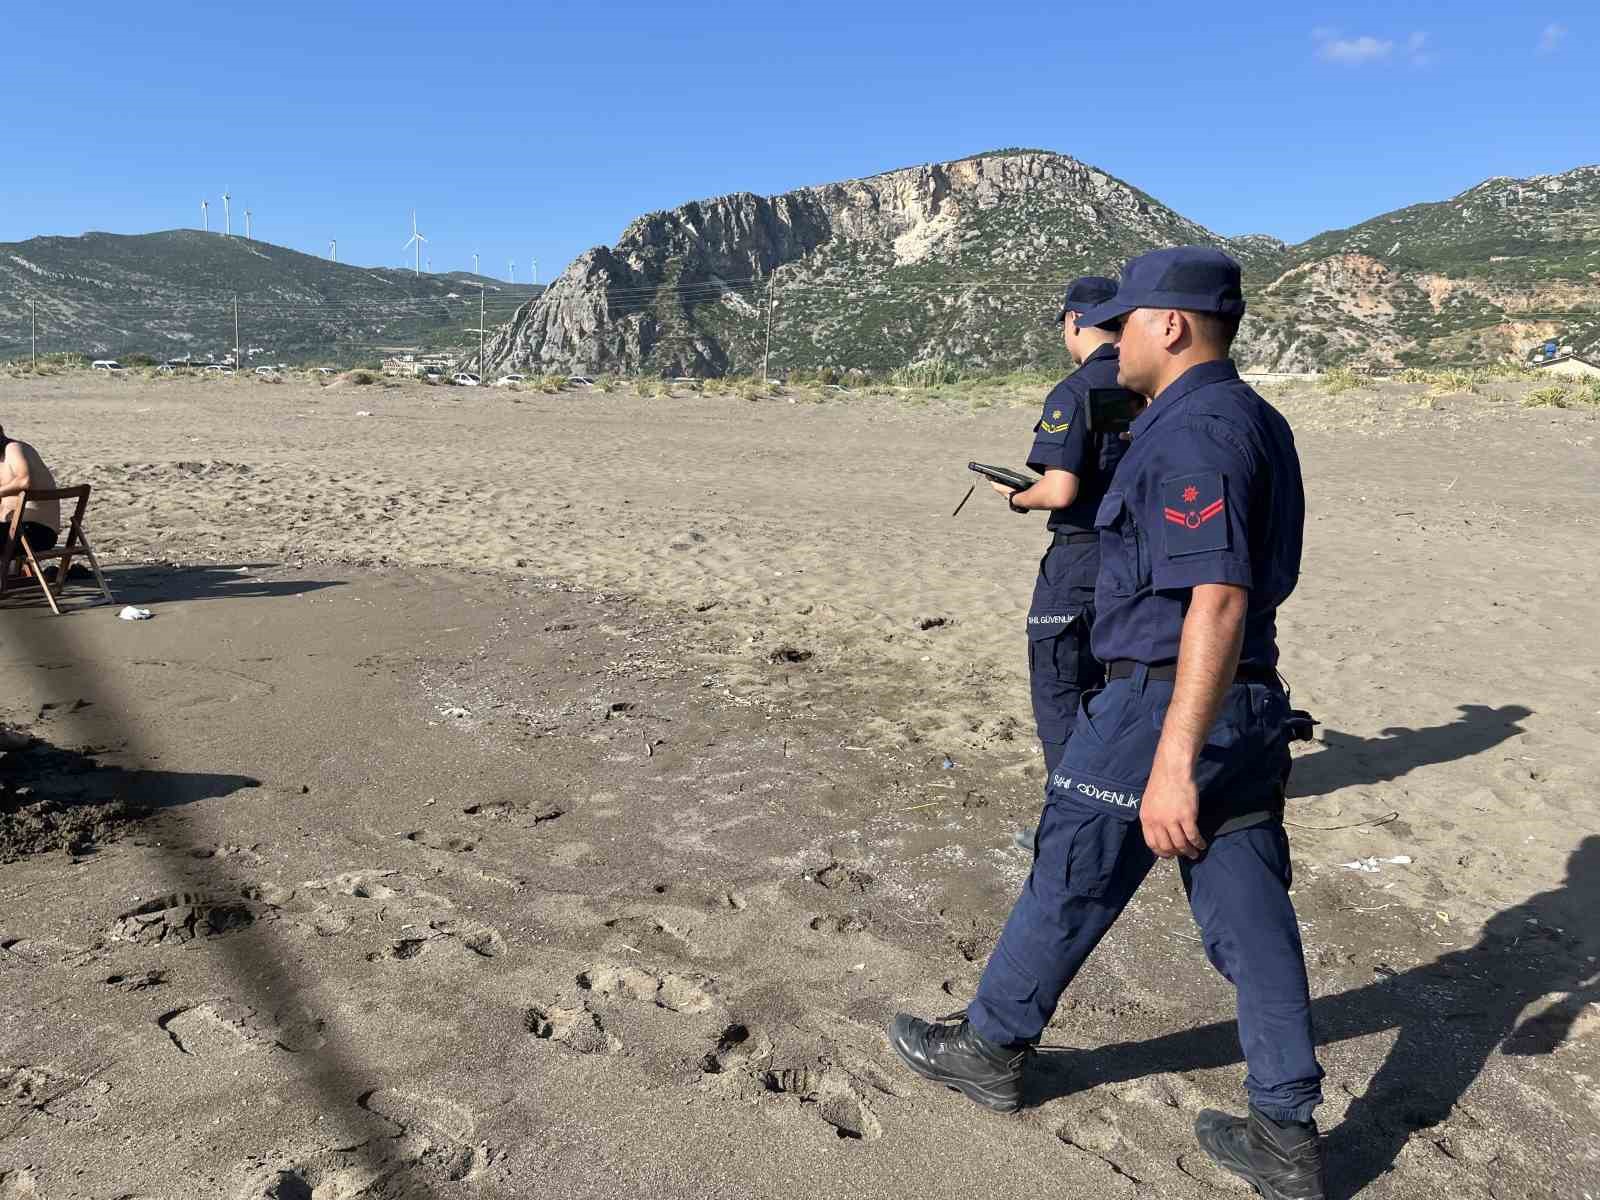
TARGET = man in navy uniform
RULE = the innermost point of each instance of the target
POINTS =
(1076, 466)
(1185, 752)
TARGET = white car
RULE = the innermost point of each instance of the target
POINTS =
(324, 370)
(580, 381)
(218, 369)
(266, 370)
(508, 380)
(465, 379)
(105, 364)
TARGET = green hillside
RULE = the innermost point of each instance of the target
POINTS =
(172, 293)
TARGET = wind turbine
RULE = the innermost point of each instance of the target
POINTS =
(227, 213)
(474, 262)
(416, 240)
(205, 215)
(247, 236)
(333, 249)
(430, 264)
(536, 270)
(512, 267)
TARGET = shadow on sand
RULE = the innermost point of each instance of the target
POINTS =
(1449, 1016)
(164, 584)
(57, 799)
(1347, 761)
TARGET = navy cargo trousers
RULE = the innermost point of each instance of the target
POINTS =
(1091, 857)
(1060, 665)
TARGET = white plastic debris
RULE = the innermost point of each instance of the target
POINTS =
(130, 613)
(456, 713)
(361, 412)
(1370, 865)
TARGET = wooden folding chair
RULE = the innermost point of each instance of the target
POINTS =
(15, 549)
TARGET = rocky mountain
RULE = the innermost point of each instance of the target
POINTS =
(1488, 274)
(964, 260)
(172, 293)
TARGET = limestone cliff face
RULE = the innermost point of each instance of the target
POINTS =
(685, 291)
(966, 260)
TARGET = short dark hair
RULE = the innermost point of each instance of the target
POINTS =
(1217, 328)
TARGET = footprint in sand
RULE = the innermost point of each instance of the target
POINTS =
(181, 917)
(478, 941)
(417, 1146)
(674, 992)
(434, 840)
(837, 876)
(56, 1094)
(650, 933)
(222, 1027)
(578, 1029)
(525, 812)
(828, 1092)
(136, 981)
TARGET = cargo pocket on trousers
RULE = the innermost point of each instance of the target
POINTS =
(1093, 855)
(1058, 646)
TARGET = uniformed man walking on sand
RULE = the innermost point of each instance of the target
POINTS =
(1185, 752)
(1076, 466)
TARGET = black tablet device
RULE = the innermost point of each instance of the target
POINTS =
(1112, 410)
(1004, 476)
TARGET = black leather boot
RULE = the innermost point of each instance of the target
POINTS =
(1285, 1160)
(950, 1051)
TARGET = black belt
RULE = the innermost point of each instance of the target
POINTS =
(1122, 668)
(1072, 537)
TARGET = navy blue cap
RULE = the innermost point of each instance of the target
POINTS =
(1084, 293)
(1195, 278)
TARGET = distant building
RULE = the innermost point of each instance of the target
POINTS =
(1567, 364)
(418, 364)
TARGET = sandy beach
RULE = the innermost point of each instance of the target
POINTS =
(522, 794)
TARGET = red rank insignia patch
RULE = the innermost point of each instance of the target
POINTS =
(1195, 510)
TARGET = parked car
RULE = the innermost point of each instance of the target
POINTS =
(266, 370)
(465, 379)
(106, 364)
(580, 381)
(218, 369)
(508, 380)
(324, 370)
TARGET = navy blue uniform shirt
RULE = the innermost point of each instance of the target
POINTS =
(1061, 439)
(1208, 492)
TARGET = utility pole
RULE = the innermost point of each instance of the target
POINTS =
(237, 364)
(483, 368)
(33, 316)
(772, 301)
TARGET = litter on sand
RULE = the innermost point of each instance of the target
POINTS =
(130, 613)
(1370, 865)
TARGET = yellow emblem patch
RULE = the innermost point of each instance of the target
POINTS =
(1055, 415)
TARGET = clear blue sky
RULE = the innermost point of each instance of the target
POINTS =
(540, 129)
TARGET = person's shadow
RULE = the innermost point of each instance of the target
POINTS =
(1450, 1016)
(1347, 761)
(161, 583)
(54, 798)
(206, 581)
